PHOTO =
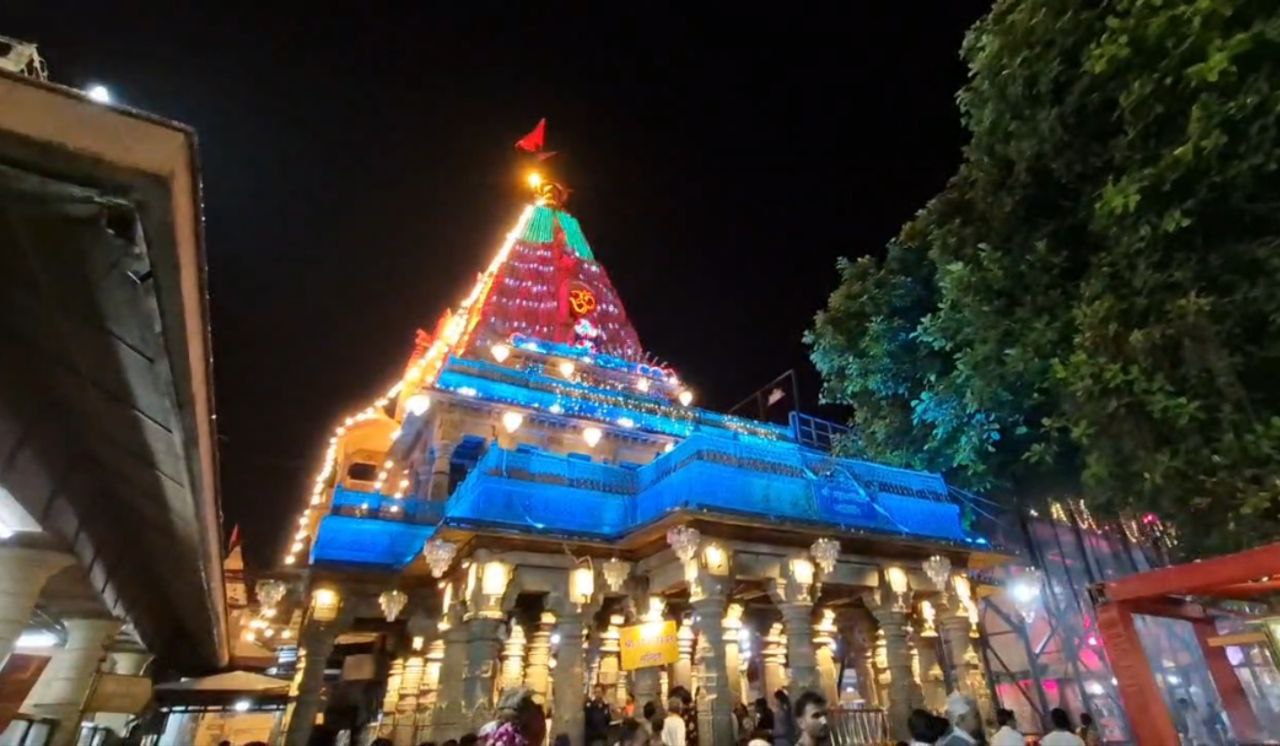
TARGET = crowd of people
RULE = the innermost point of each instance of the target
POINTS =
(521, 721)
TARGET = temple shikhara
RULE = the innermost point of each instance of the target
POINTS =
(538, 493)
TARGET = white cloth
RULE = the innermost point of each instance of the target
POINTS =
(1007, 736)
(956, 737)
(673, 730)
(1061, 738)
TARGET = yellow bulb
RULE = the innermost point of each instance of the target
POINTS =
(535, 179)
(511, 421)
(290, 560)
(500, 352)
(297, 546)
(686, 397)
(592, 435)
(566, 368)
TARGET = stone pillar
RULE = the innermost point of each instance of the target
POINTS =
(682, 669)
(447, 720)
(935, 693)
(774, 658)
(646, 684)
(797, 620)
(898, 660)
(866, 677)
(610, 667)
(732, 654)
(391, 698)
(407, 706)
(715, 705)
(955, 635)
(23, 573)
(913, 653)
(513, 658)
(315, 645)
(483, 648)
(60, 691)
(428, 693)
(129, 662)
(569, 680)
(537, 671)
(880, 661)
(824, 642)
(441, 452)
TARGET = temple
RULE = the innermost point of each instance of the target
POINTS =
(539, 502)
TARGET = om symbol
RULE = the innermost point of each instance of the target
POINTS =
(582, 301)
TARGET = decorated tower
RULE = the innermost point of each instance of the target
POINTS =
(535, 468)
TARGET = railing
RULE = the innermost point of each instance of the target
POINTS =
(858, 727)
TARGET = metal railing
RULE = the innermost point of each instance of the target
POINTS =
(852, 726)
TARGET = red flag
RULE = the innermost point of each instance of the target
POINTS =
(532, 142)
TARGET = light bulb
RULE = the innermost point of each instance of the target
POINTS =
(511, 420)
(418, 404)
(686, 397)
(99, 93)
(566, 368)
(500, 352)
(592, 435)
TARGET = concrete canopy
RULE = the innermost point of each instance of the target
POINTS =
(107, 444)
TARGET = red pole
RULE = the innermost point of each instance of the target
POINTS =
(1234, 700)
(1149, 720)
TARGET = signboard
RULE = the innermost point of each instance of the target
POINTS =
(113, 692)
(649, 644)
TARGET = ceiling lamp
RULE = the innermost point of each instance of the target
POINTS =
(642, 384)
(418, 404)
(615, 573)
(270, 592)
(824, 552)
(392, 603)
(592, 435)
(566, 368)
(684, 541)
(685, 397)
(938, 568)
(511, 420)
(439, 554)
(500, 352)
(582, 585)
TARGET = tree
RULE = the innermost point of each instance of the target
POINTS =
(1091, 305)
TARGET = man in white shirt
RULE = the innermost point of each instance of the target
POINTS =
(1007, 735)
(673, 724)
(962, 713)
(1061, 734)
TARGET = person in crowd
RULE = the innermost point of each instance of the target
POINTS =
(597, 717)
(1061, 734)
(689, 711)
(742, 724)
(634, 733)
(451, 742)
(811, 719)
(965, 722)
(630, 710)
(1088, 732)
(1007, 733)
(562, 740)
(784, 721)
(651, 719)
(760, 738)
(673, 728)
(764, 718)
(520, 720)
(925, 727)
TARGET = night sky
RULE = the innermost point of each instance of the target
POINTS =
(358, 172)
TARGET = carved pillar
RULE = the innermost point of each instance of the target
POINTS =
(931, 678)
(447, 721)
(913, 653)
(893, 625)
(955, 635)
(880, 661)
(824, 640)
(732, 659)
(513, 658)
(792, 593)
(774, 658)
(391, 698)
(537, 672)
(682, 669)
(407, 706)
(441, 452)
(569, 679)
(428, 694)
(315, 645)
(609, 668)
(715, 705)
(484, 645)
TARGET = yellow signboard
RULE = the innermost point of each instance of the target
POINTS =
(649, 644)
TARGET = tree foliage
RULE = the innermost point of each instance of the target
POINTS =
(1092, 305)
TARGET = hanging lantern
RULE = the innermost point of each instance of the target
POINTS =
(500, 352)
(824, 552)
(592, 436)
(270, 592)
(511, 420)
(899, 584)
(938, 568)
(1024, 589)
(439, 554)
(684, 541)
(685, 397)
(615, 573)
(582, 585)
(418, 404)
(928, 615)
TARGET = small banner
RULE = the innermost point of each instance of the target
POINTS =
(649, 644)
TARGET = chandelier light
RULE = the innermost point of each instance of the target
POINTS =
(392, 603)
(824, 552)
(439, 554)
(615, 573)
(270, 592)
(938, 568)
(684, 541)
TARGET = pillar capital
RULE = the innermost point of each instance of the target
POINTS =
(23, 573)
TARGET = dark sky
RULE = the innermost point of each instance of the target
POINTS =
(358, 172)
